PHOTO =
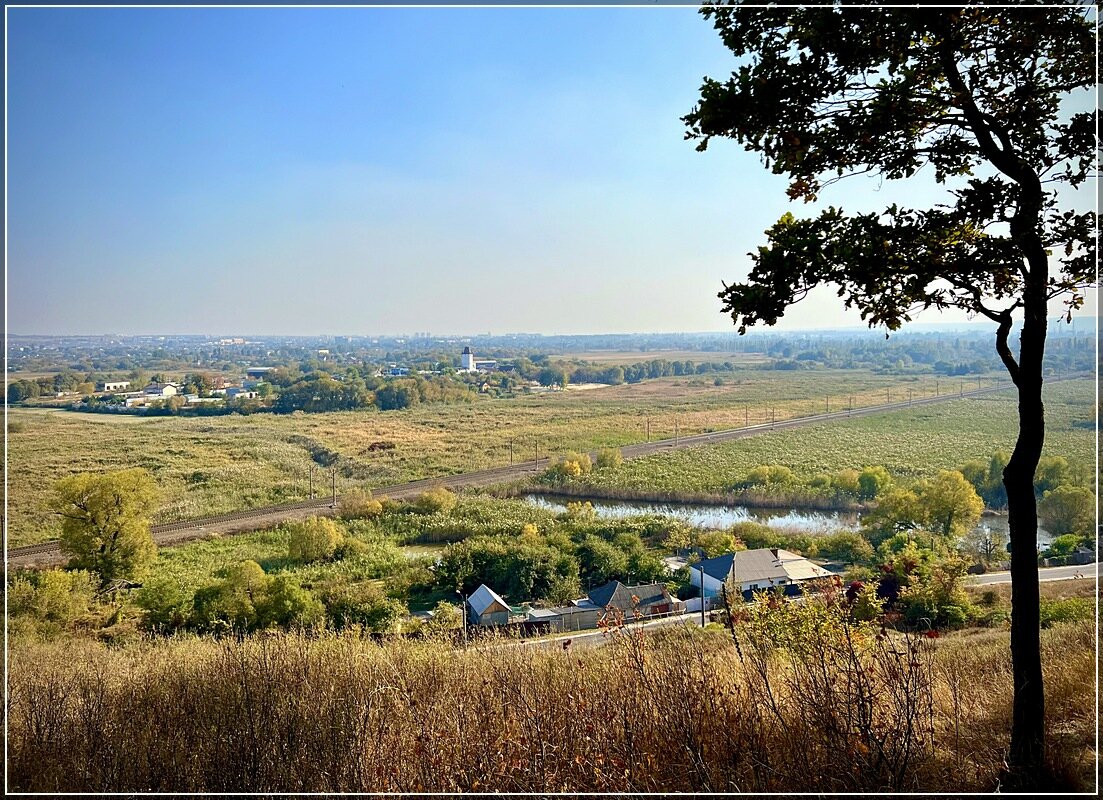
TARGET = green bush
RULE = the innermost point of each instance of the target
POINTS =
(316, 539)
(1070, 609)
(435, 501)
(609, 458)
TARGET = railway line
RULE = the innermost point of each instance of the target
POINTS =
(269, 515)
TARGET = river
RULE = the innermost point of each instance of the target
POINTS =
(723, 516)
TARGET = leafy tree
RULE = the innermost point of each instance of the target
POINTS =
(315, 539)
(975, 94)
(897, 511)
(950, 505)
(1068, 509)
(872, 481)
(105, 522)
(1052, 471)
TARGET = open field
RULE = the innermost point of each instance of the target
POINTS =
(673, 711)
(624, 357)
(909, 443)
(218, 464)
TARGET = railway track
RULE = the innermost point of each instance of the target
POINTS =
(271, 514)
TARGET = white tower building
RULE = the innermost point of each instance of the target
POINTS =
(467, 360)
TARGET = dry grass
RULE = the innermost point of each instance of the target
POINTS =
(671, 712)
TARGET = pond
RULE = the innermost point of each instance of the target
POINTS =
(723, 516)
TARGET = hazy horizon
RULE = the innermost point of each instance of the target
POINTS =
(307, 170)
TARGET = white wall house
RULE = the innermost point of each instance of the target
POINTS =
(161, 390)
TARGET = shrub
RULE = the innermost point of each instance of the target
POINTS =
(609, 458)
(316, 539)
(435, 501)
(358, 504)
(1071, 609)
(360, 603)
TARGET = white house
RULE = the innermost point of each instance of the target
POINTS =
(754, 570)
(161, 390)
(112, 386)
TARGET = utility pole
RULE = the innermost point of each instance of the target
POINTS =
(888, 397)
(333, 479)
(909, 397)
(850, 408)
(961, 391)
(537, 467)
(648, 428)
(747, 415)
(311, 481)
(828, 398)
(702, 596)
(511, 452)
(936, 387)
(675, 431)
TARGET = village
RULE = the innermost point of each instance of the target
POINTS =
(729, 578)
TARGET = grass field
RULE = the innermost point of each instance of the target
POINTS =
(910, 443)
(625, 357)
(217, 464)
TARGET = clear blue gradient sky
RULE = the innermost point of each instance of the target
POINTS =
(371, 170)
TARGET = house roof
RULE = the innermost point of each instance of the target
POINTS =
(485, 599)
(764, 564)
(616, 594)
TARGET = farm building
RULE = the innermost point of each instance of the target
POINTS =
(486, 607)
(754, 570)
(112, 386)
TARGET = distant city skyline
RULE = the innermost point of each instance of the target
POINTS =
(365, 171)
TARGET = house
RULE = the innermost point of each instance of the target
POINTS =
(258, 373)
(161, 390)
(239, 393)
(754, 570)
(587, 612)
(486, 607)
(112, 386)
(646, 599)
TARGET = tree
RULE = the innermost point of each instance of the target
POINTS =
(975, 94)
(950, 504)
(1068, 509)
(105, 522)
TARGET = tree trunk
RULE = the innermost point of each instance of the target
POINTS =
(1026, 755)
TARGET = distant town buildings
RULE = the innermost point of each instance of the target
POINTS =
(468, 362)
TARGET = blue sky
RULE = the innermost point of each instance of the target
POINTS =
(355, 171)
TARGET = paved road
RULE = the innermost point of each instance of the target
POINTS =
(48, 553)
(1044, 574)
